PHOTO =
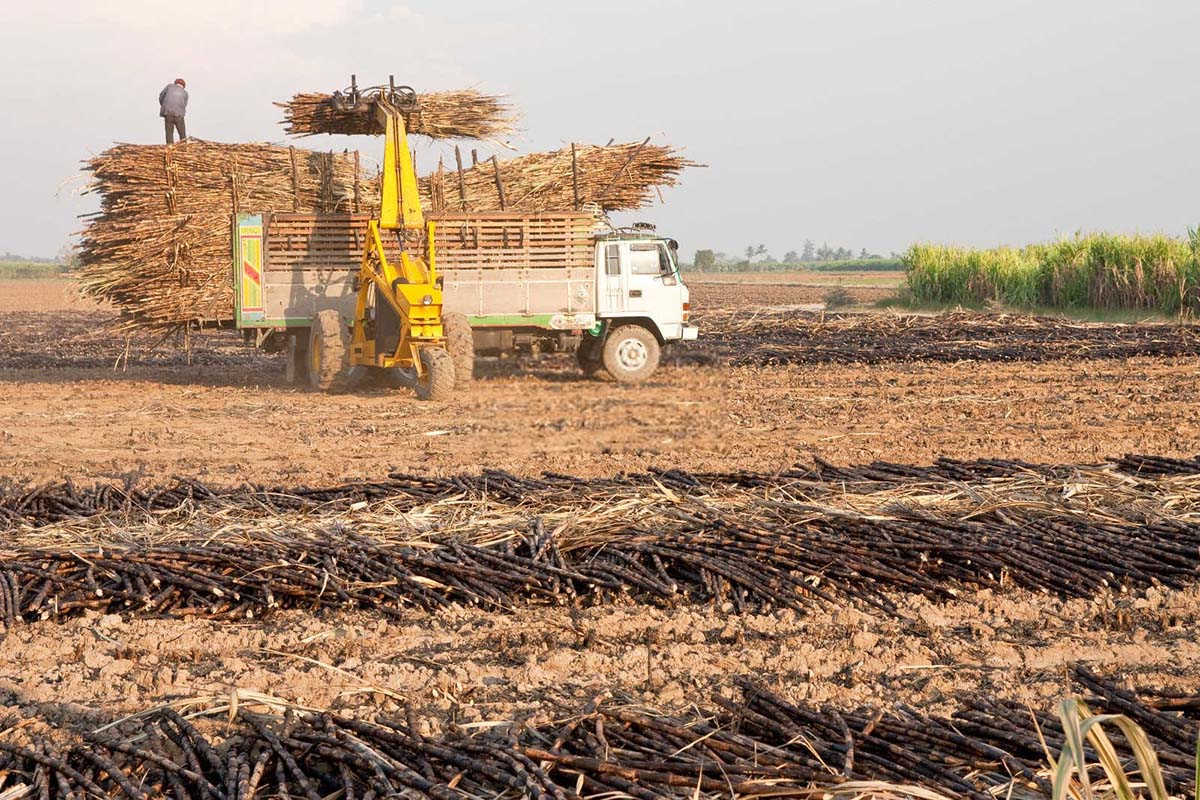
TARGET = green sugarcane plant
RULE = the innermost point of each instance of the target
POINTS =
(1082, 728)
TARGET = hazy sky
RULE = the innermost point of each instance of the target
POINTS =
(857, 123)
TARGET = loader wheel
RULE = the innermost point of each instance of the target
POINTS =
(631, 354)
(297, 357)
(329, 353)
(461, 345)
(590, 358)
(437, 383)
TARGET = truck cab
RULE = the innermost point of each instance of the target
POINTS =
(641, 304)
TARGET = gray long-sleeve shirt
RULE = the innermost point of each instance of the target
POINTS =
(172, 101)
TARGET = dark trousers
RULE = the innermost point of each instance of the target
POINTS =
(173, 123)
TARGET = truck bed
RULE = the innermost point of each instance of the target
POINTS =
(497, 268)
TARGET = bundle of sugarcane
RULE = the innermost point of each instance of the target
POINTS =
(159, 248)
(441, 115)
(614, 177)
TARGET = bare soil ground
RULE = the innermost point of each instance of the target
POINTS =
(233, 419)
(883, 278)
(228, 417)
(43, 295)
(709, 292)
(464, 665)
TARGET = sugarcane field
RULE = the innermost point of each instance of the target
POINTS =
(456, 403)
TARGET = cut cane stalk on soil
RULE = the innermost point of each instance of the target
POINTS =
(762, 745)
(798, 539)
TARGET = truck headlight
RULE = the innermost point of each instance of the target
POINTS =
(427, 300)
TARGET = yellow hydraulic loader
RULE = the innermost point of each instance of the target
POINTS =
(398, 314)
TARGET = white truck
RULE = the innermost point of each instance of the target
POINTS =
(515, 281)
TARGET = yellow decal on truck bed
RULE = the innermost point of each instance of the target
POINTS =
(251, 238)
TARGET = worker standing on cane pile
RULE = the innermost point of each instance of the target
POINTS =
(172, 105)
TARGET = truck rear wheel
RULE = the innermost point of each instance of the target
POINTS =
(461, 345)
(437, 382)
(297, 357)
(590, 356)
(631, 353)
(329, 353)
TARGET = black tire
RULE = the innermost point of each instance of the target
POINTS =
(631, 354)
(329, 353)
(461, 345)
(590, 357)
(296, 371)
(437, 382)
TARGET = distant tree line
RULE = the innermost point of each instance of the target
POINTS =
(755, 258)
(10, 256)
(15, 265)
(67, 256)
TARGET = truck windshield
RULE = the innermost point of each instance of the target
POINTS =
(651, 258)
(644, 259)
(665, 262)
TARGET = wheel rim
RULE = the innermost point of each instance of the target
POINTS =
(314, 358)
(632, 354)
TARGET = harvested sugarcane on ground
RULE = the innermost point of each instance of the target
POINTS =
(801, 539)
(754, 743)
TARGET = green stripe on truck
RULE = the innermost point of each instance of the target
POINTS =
(511, 321)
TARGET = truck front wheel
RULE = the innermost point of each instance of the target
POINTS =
(631, 354)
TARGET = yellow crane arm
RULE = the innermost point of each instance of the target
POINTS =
(400, 201)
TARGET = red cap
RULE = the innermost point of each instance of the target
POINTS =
(180, 81)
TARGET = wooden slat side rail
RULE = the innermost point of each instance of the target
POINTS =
(464, 241)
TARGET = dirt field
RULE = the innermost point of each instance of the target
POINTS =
(469, 665)
(228, 418)
(718, 290)
(241, 423)
(883, 279)
(43, 295)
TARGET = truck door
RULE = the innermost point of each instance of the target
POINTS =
(639, 280)
(654, 290)
(644, 276)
